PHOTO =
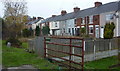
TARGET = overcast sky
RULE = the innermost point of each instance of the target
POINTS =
(47, 8)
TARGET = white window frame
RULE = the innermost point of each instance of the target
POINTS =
(82, 26)
(109, 17)
(91, 19)
(56, 25)
(75, 21)
(83, 20)
(90, 29)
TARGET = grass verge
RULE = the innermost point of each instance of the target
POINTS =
(102, 63)
(12, 57)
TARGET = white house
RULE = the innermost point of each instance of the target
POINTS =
(92, 19)
(34, 23)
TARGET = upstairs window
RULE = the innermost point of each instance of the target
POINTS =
(90, 19)
(56, 24)
(83, 20)
(109, 17)
(75, 21)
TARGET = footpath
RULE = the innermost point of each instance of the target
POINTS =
(21, 68)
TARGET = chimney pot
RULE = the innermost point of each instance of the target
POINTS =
(38, 17)
(53, 15)
(76, 9)
(98, 4)
(34, 18)
(63, 12)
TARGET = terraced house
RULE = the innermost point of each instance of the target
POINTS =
(92, 19)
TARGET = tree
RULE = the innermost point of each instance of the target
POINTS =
(46, 30)
(26, 33)
(83, 31)
(31, 31)
(15, 15)
(37, 31)
(109, 30)
(1, 22)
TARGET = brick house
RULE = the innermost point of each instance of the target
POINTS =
(93, 19)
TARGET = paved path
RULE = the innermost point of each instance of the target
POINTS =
(22, 68)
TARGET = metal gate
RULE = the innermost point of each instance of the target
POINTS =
(68, 51)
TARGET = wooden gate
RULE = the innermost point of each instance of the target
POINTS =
(68, 51)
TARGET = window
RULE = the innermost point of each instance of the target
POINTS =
(72, 31)
(69, 30)
(56, 24)
(63, 30)
(75, 21)
(109, 17)
(90, 30)
(78, 31)
(90, 19)
(83, 20)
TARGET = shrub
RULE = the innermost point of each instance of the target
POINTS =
(27, 33)
(14, 42)
(109, 30)
(46, 30)
(83, 31)
(37, 31)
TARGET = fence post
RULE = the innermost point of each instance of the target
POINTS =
(45, 47)
(109, 47)
(70, 52)
(84, 44)
(118, 50)
(94, 50)
(73, 53)
(83, 49)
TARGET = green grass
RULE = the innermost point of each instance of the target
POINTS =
(12, 57)
(102, 63)
(17, 56)
(25, 45)
(0, 51)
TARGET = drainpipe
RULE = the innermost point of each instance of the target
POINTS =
(86, 25)
(117, 24)
(117, 18)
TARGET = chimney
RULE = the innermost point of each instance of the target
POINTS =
(63, 12)
(76, 9)
(53, 15)
(98, 4)
(38, 17)
(34, 18)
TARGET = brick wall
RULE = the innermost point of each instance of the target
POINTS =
(78, 21)
(96, 21)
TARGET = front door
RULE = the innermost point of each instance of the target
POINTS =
(97, 32)
(101, 32)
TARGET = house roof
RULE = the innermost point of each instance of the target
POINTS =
(119, 5)
(112, 6)
(33, 22)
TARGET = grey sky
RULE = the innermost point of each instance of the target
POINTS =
(47, 8)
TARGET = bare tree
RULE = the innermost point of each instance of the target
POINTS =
(15, 15)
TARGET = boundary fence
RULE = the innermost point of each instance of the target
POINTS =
(61, 50)
(93, 48)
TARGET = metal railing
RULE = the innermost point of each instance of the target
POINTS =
(61, 50)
